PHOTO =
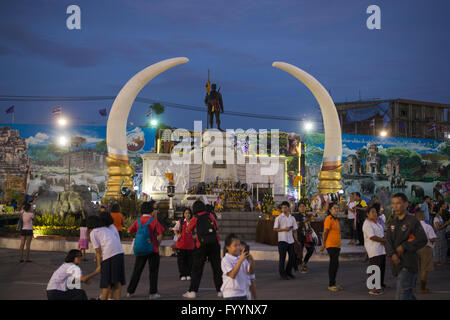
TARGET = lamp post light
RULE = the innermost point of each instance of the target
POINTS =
(383, 133)
(62, 122)
(64, 141)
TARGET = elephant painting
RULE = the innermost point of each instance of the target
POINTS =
(418, 191)
(398, 182)
(367, 186)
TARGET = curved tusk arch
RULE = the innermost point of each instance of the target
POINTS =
(116, 134)
(120, 171)
(332, 156)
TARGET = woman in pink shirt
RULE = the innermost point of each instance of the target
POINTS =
(27, 231)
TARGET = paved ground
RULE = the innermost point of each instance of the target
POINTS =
(29, 280)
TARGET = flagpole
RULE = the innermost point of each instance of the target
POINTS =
(13, 117)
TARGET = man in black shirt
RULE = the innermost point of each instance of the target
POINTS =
(405, 236)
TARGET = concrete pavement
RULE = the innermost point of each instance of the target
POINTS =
(29, 280)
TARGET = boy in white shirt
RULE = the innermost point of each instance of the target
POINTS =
(237, 267)
(426, 253)
(285, 224)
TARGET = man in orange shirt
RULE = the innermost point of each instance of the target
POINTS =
(332, 241)
(117, 217)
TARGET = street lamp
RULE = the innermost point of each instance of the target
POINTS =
(154, 122)
(62, 122)
(308, 126)
(64, 141)
(383, 133)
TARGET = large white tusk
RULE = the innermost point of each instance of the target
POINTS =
(332, 126)
(116, 133)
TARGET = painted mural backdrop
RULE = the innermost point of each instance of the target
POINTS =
(416, 167)
(35, 151)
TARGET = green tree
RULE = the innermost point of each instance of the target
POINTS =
(101, 146)
(157, 108)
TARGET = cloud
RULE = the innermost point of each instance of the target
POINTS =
(90, 139)
(39, 138)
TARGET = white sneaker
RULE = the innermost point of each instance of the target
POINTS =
(188, 278)
(220, 294)
(154, 296)
(129, 295)
(183, 278)
(190, 295)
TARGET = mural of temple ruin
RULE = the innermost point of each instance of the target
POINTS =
(14, 161)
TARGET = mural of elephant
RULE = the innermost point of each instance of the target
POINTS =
(367, 187)
(418, 191)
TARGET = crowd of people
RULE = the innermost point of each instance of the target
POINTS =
(413, 240)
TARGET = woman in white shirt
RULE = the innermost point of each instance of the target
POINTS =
(439, 226)
(65, 283)
(237, 266)
(374, 244)
(109, 254)
(26, 231)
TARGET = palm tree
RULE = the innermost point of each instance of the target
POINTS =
(157, 107)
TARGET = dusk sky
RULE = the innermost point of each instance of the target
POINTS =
(237, 40)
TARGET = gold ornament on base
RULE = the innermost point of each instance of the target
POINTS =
(330, 177)
(120, 174)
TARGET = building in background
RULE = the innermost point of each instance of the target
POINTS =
(399, 117)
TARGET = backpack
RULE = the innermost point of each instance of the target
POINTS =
(143, 242)
(205, 230)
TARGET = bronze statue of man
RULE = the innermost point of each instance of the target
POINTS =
(215, 106)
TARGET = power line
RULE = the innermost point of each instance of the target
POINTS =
(147, 101)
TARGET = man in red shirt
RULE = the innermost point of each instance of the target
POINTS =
(148, 210)
(208, 246)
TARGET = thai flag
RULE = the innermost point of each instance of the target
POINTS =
(372, 123)
(102, 112)
(56, 111)
(433, 127)
(10, 109)
(149, 113)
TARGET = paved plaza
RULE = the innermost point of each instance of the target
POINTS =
(29, 280)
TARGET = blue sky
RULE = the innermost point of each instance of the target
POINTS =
(237, 40)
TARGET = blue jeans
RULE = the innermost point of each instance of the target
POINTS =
(405, 285)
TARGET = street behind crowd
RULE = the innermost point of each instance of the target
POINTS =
(28, 281)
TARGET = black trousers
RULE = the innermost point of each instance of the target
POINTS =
(283, 248)
(381, 262)
(299, 258)
(334, 265)
(73, 294)
(351, 224)
(212, 252)
(359, 231)
(153, 268)
(211, 118)
(184, 260)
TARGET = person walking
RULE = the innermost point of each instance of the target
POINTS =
(351, 213)
(426, 262)
(109, 254)
(184, 246)
(83, 242)
(237, 266)
(118, 218)
(285, 224)
(374, 244)
(425, 207)
(440, 227)
(361, 209)
(404, 237)
(26, 231)
(207, 247)
(149, 231)
(332, 242)
(305, 236)
(65, 283)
